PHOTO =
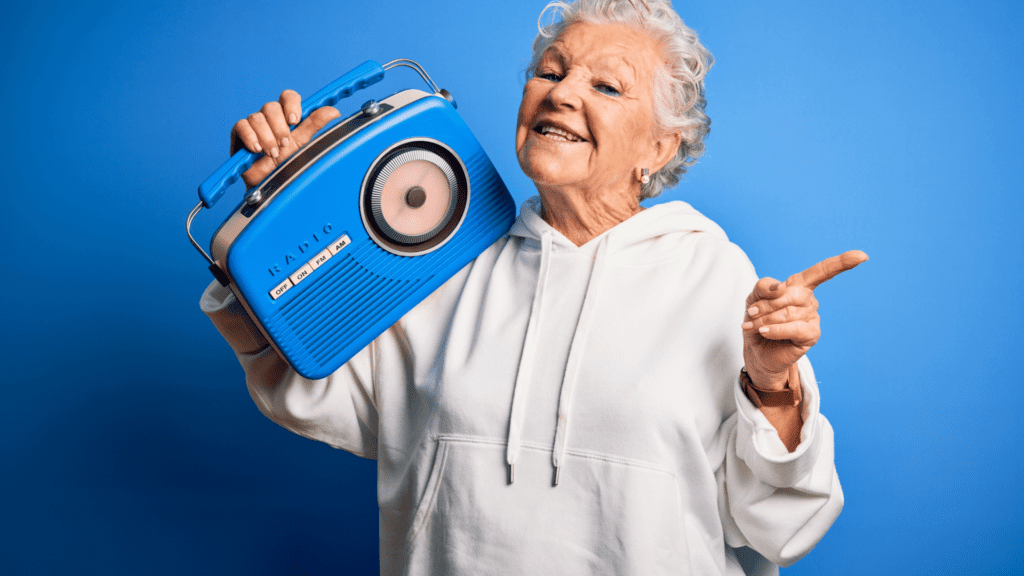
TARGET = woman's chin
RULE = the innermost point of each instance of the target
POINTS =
(547, 169)
(550, 178)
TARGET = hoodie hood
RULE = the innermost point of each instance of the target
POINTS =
(650, 224)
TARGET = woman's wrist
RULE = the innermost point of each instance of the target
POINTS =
(768, 380)
(783, 391)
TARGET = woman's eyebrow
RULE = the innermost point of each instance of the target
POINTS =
(618, 69)
(555, 53)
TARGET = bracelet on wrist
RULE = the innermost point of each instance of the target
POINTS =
(788, 396)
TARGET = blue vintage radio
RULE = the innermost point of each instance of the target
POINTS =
(361, 224)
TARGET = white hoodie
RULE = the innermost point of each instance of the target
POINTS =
(555, 409)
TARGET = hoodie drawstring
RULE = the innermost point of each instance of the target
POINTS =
(526, 362)
(525, 373)
(576, 349)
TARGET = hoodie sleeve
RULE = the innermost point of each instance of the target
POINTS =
(340, 410)
(777, 502)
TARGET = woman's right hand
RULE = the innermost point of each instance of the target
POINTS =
(270, 131)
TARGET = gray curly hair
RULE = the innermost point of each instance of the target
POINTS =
(678, 89)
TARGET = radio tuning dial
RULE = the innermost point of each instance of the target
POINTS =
(371, 108)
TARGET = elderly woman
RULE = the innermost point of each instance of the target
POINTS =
(572, 402)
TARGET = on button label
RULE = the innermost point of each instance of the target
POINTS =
(301, 274)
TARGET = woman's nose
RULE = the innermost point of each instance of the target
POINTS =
(566, 93)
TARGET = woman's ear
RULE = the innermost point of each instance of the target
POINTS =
(665, 147)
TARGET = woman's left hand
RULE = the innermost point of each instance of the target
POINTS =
(782, 322)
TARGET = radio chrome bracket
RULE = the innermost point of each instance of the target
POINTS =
(188, 230)
(217, 271)
(415, 66)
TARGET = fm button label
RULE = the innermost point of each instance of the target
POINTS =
(320, 258)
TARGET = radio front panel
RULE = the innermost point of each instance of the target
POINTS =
(306, 266)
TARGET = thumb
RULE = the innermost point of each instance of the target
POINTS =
(316, 120)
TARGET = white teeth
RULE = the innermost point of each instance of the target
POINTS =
(558, 134)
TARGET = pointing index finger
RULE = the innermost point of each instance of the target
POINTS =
(827, 269)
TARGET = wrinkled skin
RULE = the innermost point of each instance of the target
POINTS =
(594, 82)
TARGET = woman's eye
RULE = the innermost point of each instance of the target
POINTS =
(606, 89)
(549, 76)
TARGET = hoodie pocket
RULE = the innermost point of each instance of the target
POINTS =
(426, 504)
(606, 516)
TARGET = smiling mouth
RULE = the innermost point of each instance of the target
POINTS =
(557, 134)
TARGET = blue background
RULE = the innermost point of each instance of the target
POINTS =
(128, 442)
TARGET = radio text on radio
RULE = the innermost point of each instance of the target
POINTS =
(304, 247)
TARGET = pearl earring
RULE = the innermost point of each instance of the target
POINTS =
(646, 177)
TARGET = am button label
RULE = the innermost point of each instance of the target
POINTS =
(339, 244)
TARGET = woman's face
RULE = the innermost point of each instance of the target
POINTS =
(587, 118)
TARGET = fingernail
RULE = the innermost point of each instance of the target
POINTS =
(747, 325)
(273, 152)
(752, 310)
(763, 329)
(292, 119)
(285, 142)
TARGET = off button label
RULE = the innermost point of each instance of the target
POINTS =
(280, 289)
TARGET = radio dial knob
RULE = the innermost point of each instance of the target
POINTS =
(371, 108)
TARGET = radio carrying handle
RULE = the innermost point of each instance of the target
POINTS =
(362, 76)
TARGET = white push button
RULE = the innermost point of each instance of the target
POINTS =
(301, 274)
(320, 258)
(339, 244)
(280, 289)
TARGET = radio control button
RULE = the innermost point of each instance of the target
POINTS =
(320, 258)
(301, 274)
(339, 244)
(280, 289)
(370, 108)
